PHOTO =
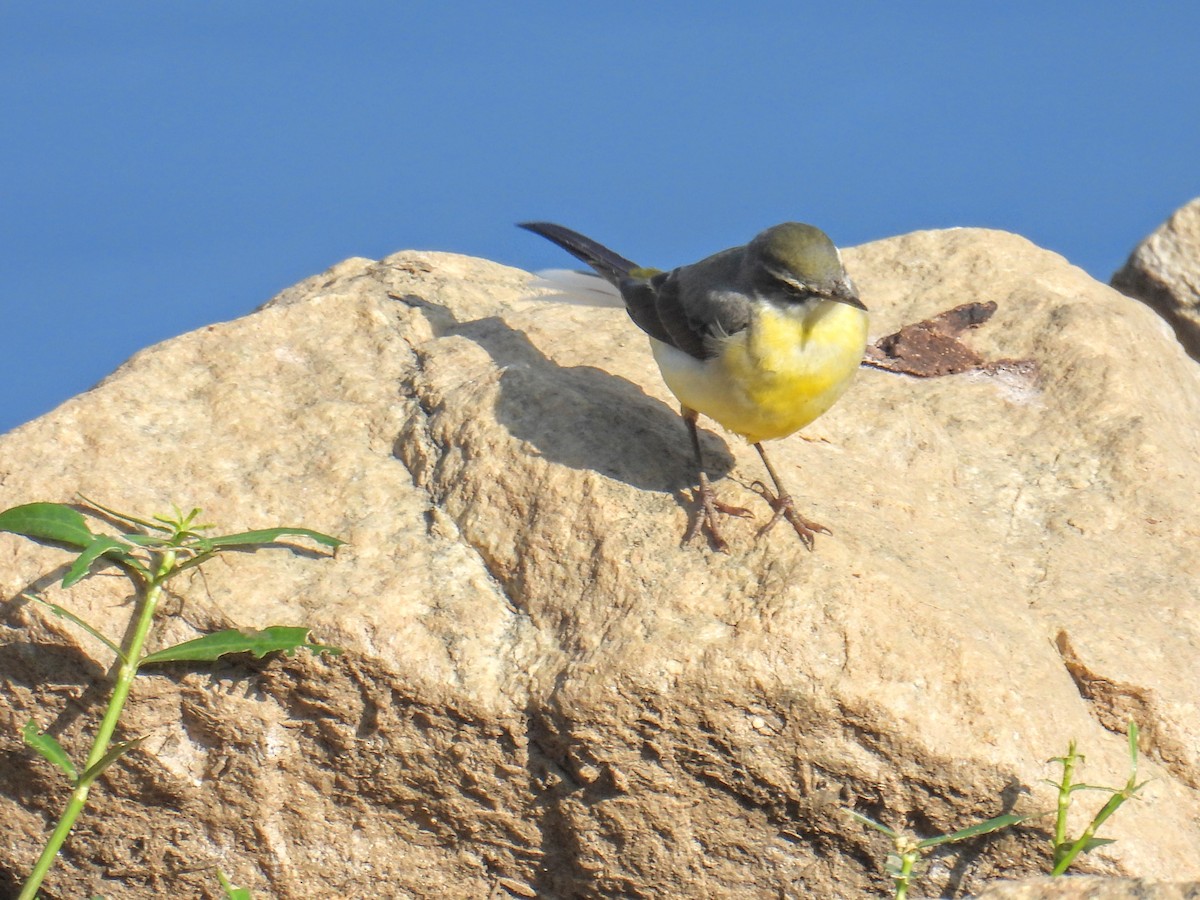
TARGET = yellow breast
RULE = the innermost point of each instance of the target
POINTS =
(787, 368)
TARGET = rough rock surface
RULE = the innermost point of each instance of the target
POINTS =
(1164, 271)
(543, 692)
(1090, 888)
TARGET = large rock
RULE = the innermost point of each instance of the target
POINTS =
(1164, 271)
(543, 691)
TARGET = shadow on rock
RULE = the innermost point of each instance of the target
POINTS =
(580, 416)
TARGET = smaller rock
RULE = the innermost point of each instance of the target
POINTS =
(1164, 273)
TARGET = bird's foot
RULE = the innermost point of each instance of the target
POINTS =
(706, 516)
(784, 508)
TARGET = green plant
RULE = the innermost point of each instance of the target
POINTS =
(151, 552)
(907, 849)
(231, 892)
(1067, 849)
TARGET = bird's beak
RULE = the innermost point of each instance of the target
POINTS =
(845, 293)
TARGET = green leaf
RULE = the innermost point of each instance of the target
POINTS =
(198, 544)
(978, 828)
(1080, 786)
(47, 522)
(124, 517)
(1093, 843)
(115, 752)
(260, 643)
(153, 541)
(230, 891)
(269, 535)
(893, 866)
(182, 524)
(48, 747)
(102, 545)
(1133, 746)
(64, 613)
(870, 823)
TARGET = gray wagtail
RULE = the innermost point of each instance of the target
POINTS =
(762, 339)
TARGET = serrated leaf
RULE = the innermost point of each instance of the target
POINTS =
(115, 752)
(47, 522)
(269, 535)
(102, 545)
(975, 830)
(49, 748)
(213, 646)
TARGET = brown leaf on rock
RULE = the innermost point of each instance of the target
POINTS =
(931, 348)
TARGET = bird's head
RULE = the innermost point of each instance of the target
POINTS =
(795, 263)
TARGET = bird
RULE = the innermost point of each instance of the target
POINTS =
(761, 338)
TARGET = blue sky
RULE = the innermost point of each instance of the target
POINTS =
(168, 165)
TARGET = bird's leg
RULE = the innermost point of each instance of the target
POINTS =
(706, 516)
(781, 502)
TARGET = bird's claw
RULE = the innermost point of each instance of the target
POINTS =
(706, 517)
(729, 509)
(784, 508)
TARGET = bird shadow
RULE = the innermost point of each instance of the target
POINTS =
(581, 416)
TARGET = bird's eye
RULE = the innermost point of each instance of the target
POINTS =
(792, 289)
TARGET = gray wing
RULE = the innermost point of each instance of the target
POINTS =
(682, 308)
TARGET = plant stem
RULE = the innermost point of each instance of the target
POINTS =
(1064, 804)
(133, 658)
(907, 858)
(125, 675)
(1089, 833)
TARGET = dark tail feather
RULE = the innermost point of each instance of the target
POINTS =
(610, 266)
